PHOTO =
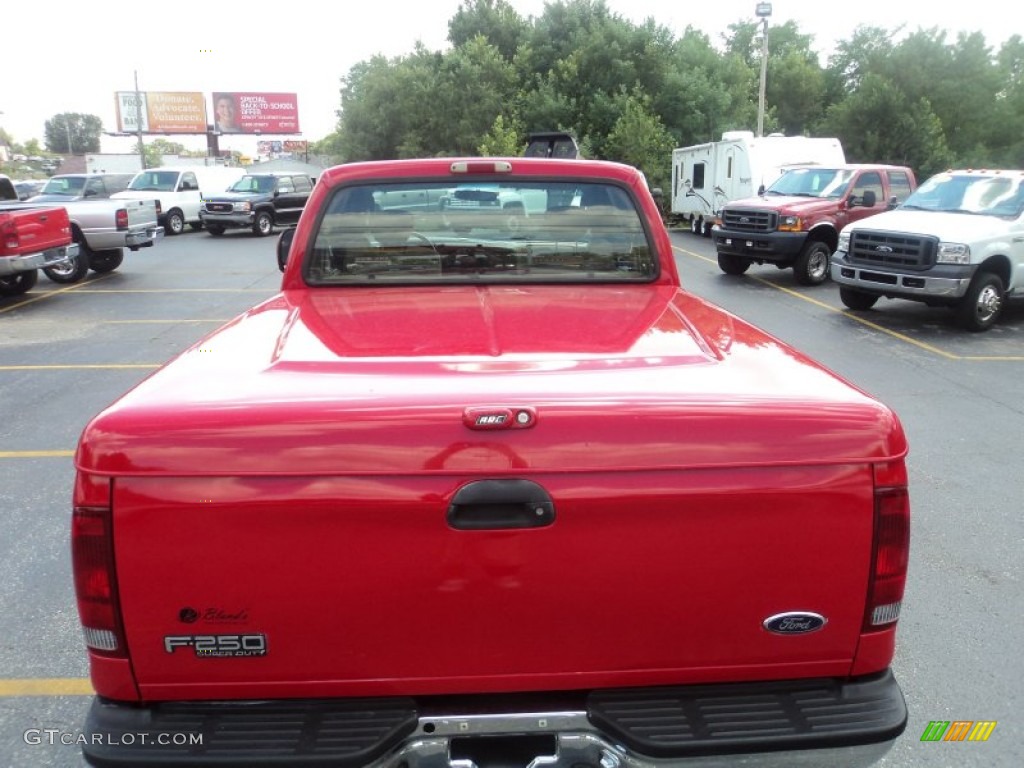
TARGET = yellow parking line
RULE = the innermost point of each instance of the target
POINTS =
(46, 686)
(48, 294)
(36, 454)
(78, 366)
(862, 321)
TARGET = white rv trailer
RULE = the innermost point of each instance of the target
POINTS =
(707, 176)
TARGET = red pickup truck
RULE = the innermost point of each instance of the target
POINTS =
(484, 485)
(31, 238)
(796, 221)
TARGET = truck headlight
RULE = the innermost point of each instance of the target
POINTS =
(789, 224)
(953, 253)
(844, 242)
(245, 207)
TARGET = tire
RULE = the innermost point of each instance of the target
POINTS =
(263, 225)
(733, 265)
(695, 226)
(76, 269)
(981, 306)
(707, 229)
(15, 285)
(106, 261)
(174, 224)
(215, 229)
(812, 265)
(855, 299)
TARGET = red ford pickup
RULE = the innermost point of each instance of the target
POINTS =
(796, 221)
(484, 485)
(32, 237)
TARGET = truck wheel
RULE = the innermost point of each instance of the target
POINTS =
(215, 229)
(74, 270)
(733, 265)
(811, 267)
(174, 224)
(15, 285)
(696, 228)
(981, 306)
(106, 261)
(263, 225)
(857, 299)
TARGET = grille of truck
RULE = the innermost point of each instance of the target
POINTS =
(892, 249)
(749, 220)
(219, 207)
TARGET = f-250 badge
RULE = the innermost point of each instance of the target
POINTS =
(218, 646)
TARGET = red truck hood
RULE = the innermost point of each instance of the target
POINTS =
(357, 381)
(803, 206)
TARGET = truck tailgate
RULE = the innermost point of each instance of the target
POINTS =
(360, 585)
(141, 213)
(31, 229)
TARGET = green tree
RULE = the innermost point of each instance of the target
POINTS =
(74, 133)
(505, 139)
(638, 138)
(881, 124)
(496, 20)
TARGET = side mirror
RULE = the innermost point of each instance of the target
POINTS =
(893, 202)
(869, 199)
(284, 244)
(89, 193)
(760, 190)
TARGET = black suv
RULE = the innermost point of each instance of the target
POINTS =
(257, 201)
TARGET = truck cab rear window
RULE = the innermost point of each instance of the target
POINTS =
(484, 231)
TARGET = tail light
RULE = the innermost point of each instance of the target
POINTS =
(9, 235)
(92, 557)
(890, 555)
(121, 218)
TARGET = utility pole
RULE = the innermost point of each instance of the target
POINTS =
(138, 122)
(763, 11)
(67, 132)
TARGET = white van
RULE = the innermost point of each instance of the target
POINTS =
(179, 191)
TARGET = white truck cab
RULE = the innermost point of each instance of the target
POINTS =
(179, 190)
(958, 241)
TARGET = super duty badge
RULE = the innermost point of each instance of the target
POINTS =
(218, 646)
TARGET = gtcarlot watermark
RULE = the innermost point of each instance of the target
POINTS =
(53, 736)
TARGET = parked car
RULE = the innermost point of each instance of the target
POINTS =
(257, 201)
(505, 497)
(179, 191)
(28, 189)
(796, 221)
(957, 242)
(78, 186)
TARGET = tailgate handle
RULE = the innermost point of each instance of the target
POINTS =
(487, 505)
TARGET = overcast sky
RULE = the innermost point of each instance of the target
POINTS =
(73, 55)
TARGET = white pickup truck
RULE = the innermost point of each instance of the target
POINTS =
(958, 241)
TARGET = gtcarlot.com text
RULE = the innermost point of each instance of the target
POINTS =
(52, 736)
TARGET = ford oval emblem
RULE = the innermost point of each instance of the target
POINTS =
(795, 623)
(883, 249)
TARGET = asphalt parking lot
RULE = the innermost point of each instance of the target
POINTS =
(68, 351)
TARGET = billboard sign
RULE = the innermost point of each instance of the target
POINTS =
(161, 112)
(245, 112)
(278, 147)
